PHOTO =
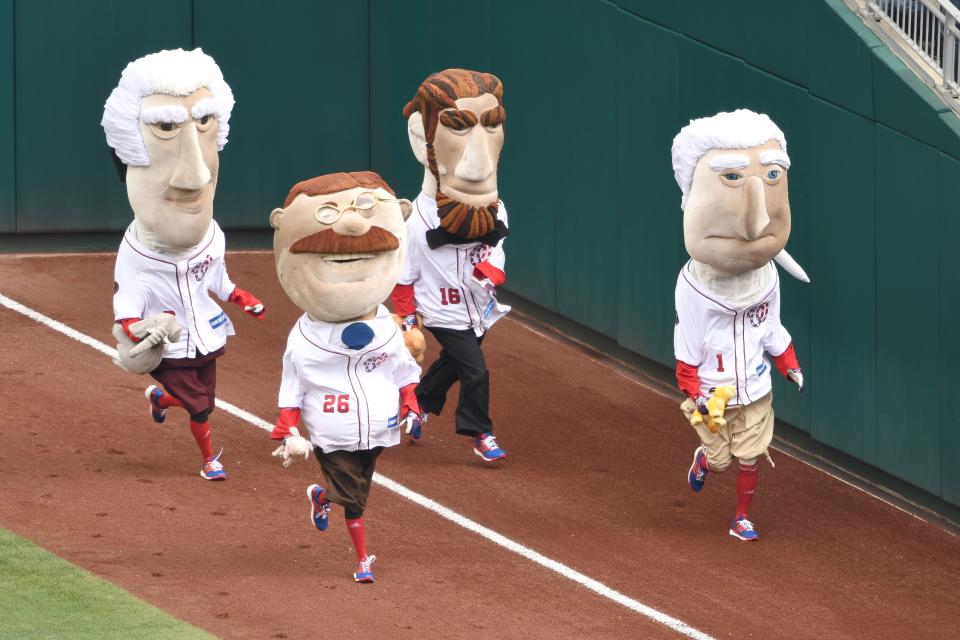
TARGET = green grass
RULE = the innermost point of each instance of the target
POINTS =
(43, 596)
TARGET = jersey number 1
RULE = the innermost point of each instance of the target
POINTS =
(720, 362)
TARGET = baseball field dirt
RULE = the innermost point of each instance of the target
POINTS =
(595, 479)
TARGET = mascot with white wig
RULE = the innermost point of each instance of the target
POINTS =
(732, 170)
(166, 121)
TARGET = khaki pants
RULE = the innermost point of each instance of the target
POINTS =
(747, 434)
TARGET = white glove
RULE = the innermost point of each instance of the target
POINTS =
(797, 376)
(153, 330)
(293, 446)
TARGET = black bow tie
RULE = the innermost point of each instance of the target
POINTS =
(439, 237)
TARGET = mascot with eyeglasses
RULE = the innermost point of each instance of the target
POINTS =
(732, 171)
(348, 378)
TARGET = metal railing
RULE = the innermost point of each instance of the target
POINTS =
(926, 34)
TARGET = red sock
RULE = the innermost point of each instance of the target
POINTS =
(358, 533)
(746, 486)
(166, 401)
(201, 433)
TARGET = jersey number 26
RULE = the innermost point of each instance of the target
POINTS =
(338, 404)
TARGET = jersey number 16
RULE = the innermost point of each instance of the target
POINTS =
(449, 296)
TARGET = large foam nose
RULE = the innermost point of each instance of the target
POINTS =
(475, 164)
(352, 223)
(754, 218)
(191, 172)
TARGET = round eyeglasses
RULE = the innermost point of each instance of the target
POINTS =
(328, 213)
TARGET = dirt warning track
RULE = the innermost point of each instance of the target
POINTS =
(594, 480)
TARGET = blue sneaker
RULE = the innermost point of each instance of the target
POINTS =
(212, 469)
(364, 573)
(742, 529)
(319, 506)
(697, 475)
(485, 446)
(154, 393)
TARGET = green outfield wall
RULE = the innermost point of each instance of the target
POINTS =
(595, 90)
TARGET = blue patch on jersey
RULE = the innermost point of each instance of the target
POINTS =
(218, 320)
(489, 309)
(761, 368)
(392, 423)
(357, 335)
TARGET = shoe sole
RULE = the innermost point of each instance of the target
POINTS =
(486, 459)
(740, 537)
(313, 506)
(367, 580)
(690, 470)
(148, 393)
(216, 478)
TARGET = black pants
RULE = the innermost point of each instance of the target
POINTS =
(460, 359)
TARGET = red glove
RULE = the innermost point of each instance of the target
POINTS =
(249, 302)
(490, 272)
(289, 417)
(403, 301)
(410, 413)
(125, 323)
(408, 401)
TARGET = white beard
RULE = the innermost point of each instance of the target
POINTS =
(740, 291)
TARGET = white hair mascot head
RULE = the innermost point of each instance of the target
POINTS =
(732, 171)
(166, 121)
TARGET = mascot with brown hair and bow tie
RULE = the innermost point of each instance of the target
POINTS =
(456, 261)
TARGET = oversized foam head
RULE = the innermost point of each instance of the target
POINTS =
(166, 121)
(455, 125)
(732, 170)
(339, 244)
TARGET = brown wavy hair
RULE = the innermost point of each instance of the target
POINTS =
(436, 94)
(335, 183)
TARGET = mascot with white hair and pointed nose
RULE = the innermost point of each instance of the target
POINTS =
(732, 170)
(166, 121)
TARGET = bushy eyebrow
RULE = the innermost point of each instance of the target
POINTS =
(729, 161)
(775, 156)
(164, 113)
(206, 107)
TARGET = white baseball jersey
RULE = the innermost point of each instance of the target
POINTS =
(727, 343)
(349, 398)
(446, 294)
(147, 283)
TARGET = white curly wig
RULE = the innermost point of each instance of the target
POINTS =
(741, 129)
(173, 72)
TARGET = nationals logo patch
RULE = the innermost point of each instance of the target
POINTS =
(200, 269)
(479, 254)
(375, 361)
(756, 315)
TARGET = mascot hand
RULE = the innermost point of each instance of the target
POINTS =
(250, 303)
(163, 324)
(293, 447)
(145, 356)
(797, 376)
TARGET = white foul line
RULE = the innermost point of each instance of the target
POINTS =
(444, 512)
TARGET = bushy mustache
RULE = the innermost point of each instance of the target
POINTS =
(375, 240)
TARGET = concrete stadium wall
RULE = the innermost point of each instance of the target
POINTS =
(595, 90)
